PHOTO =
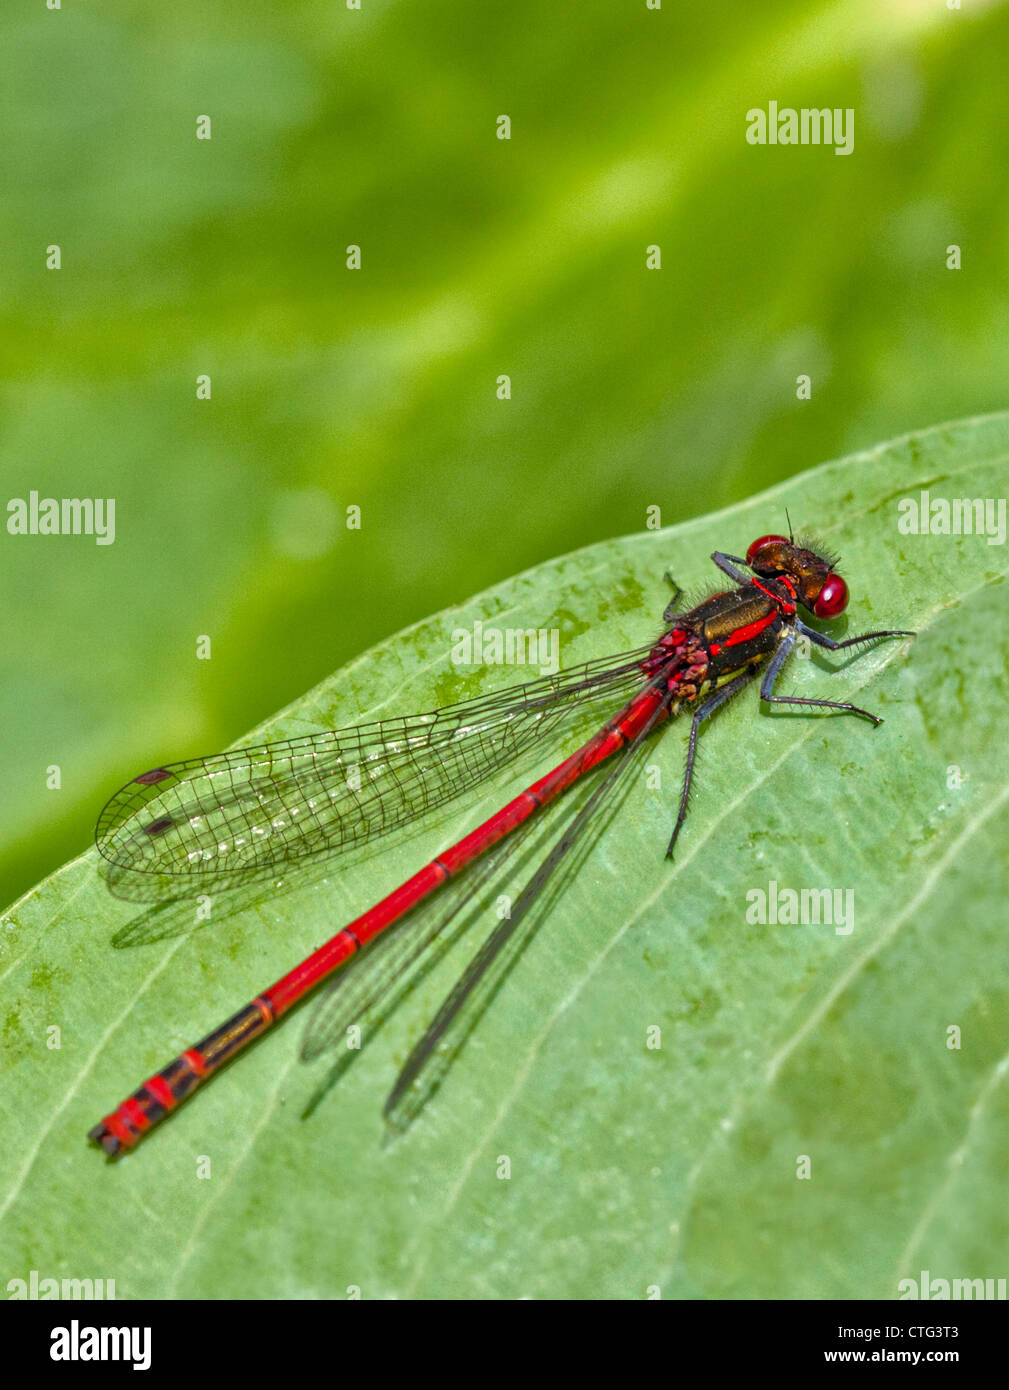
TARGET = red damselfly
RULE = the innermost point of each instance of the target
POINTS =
(211, 820)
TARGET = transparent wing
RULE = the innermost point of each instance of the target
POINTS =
(376, 982)
(437, 1049)
(258, 807)
(371, 977)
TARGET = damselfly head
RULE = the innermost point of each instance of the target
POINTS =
(817, 586)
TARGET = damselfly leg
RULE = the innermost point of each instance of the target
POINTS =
(720, 697)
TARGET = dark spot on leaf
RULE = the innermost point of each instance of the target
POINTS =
(43, 976)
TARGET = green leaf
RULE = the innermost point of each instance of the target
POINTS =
(564, 1156)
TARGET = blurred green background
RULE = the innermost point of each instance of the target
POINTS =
(376, 388)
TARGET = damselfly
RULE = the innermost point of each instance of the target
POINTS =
(210, 820)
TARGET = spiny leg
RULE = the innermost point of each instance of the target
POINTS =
(728, 563)
(719, 697)
(822, 640)
(774, 670)
(672, 607)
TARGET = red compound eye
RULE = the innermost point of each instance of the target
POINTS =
(759, 545)
(833, 597)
